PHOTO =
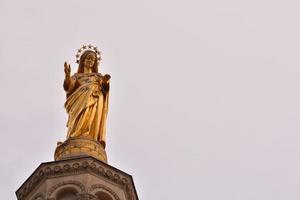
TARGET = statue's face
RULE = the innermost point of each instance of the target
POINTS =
(89, 60)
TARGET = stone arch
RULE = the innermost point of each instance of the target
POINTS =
(68, 186)
(105, 192)
(101, 195)
(66, 193)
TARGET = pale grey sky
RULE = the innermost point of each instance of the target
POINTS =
(205, 100)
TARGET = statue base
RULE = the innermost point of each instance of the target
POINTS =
(79, 147)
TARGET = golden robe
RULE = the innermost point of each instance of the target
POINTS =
(87, 106)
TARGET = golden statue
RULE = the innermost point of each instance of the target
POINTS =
(87, 94)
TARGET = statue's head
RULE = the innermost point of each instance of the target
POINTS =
(88, 57)
(88, 60)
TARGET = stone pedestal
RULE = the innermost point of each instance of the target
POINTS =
(78, 147)
(84, 178)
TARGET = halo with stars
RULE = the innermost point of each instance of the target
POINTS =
(85, 48)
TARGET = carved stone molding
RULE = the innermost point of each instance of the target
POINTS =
(84, 165)
(86, 196)
(106, 189)
(39, 196)
(64, 183)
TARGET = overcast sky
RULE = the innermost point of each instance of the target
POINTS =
(205, 99)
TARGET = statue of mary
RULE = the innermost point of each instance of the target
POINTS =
(87, 97)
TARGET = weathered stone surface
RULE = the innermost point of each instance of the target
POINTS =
(84, 178)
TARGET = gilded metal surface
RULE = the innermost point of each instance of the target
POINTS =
(87, 100)
(78, 147)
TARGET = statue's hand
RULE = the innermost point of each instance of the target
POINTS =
(67, 69)
(105, 84)
(106, 78)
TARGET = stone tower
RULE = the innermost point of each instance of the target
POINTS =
(80, 170)
(81, 178)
